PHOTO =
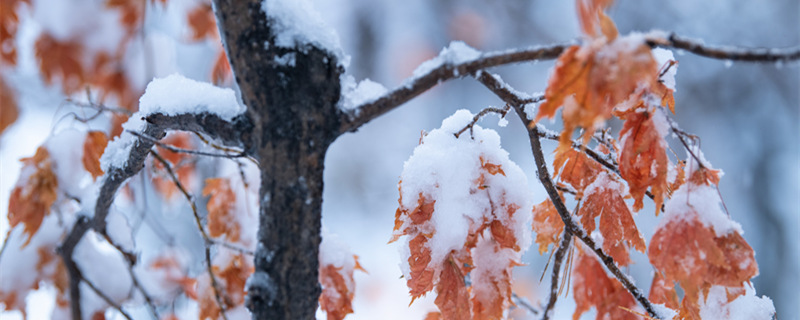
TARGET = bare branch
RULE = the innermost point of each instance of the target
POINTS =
(239, 154)
(235, 133)
(726, 52)
(477, 117)
(500, 89)
(416, 85)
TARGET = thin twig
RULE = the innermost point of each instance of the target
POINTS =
(214, 283)
(493, 84)
(727, 52)
(520, 301)
(105, 297)
(239, 154)
(502, 112)
(566, 240)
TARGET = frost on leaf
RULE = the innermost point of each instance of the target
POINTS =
(336, 267)
(592, 287)
(643, 160)
(221, 209)
(93, 148)
(34, 194)
(462, 212)
(603, 198)
(547, 224)
(698, 246)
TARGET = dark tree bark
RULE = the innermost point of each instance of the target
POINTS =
(295, 117)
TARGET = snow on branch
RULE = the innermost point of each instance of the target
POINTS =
(731, 53)
(453, 62)
(172, 103)
(500, 89)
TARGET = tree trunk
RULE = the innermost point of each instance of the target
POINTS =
(293, 108)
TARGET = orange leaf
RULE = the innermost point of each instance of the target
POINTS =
(221, 71)
(34, 194)
(232, 278)
(591, 17)
(93, 148)
(62, 59)
(9, 112)
(592, 287)
(9, 22)
(336, 299)
(202, 22)
(616, 223)
(663, 292)
(132, 12)
(175, 273)
(452, 296)
(592, 80)
(643, 160)
(183, 169)
(547, 224)
(575, 168)
(691, 253)
(221, 209)
(421, 275)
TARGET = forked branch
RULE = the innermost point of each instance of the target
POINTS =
(501, 90)
(228, 132)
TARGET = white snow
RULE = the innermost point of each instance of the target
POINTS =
(702, 202)
(335, 252)
(746, 307)
(456, 53)
(118, 150)
(176, 94)
(102, 265)
(355, 95)
(445, 168)
(297, 24)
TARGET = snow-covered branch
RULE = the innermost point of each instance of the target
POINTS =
(730, 53)
(450, 64)
(500, 89)
(171, 103)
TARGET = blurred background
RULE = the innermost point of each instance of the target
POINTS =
(747, 116)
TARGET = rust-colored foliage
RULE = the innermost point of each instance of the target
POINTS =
(132, 12)
(691, 253)
(221, 209)
(337, 296)
(174, 273)
(231, 278)
(575, 168)
(221, 71)
(9, 110)
(494, 233)
(452, 296)
(592, 287)
(616, 223)
(180, 163)
(643, 161)
(547, 224)
(202, 22)
(35, 193)
(93, 148)
(663, 292)
(9, 22)
(63, 59)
